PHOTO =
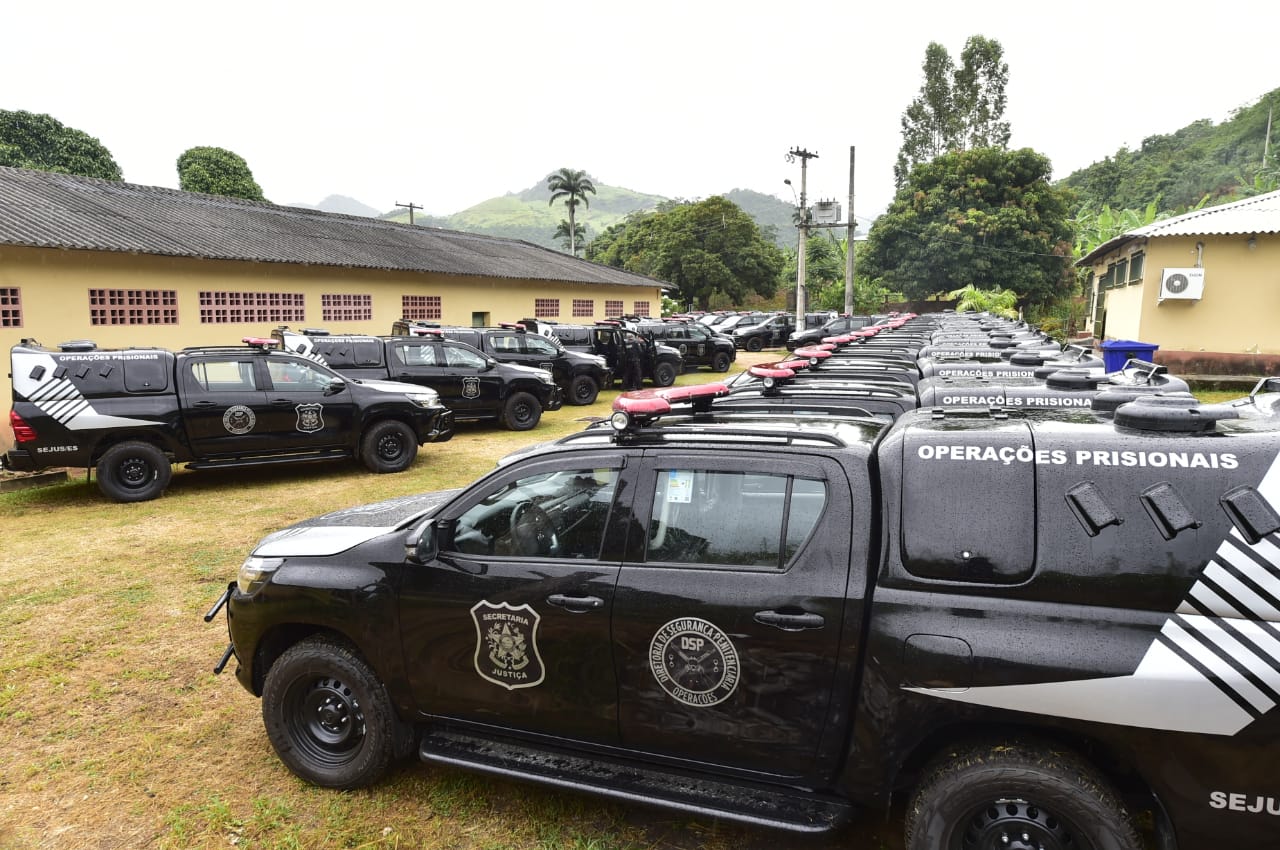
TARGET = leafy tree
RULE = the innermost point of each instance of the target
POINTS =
(570, 238)
(217, 171)
(986, 217)
(42, 143)
(957, 108)
(1001, 302)
(710, 249)
(573, 186)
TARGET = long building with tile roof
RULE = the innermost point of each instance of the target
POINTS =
(129, 265)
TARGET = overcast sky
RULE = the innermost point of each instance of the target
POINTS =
(447, 104)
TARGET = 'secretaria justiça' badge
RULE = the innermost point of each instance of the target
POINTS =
(694, 661)
(507, 644)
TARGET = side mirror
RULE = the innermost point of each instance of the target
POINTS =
(489, 363)
(422, 542)
(335, 386)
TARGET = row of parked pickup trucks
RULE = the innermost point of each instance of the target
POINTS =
(1027, 625)
(306, 395)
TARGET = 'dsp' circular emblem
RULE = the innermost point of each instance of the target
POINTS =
(694, 661)
(239, 419)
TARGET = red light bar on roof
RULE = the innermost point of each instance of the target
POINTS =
(513, 325)
(810, 352)
(654, 402)
(775, 371)
(259, 342)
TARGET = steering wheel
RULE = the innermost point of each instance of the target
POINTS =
(532, 530)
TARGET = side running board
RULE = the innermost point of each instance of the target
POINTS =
(753, 804)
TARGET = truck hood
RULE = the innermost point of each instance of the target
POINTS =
(336, 532)
(399, 387)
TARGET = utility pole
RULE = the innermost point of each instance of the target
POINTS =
(804, 157)
(410, 207)
(848, 260)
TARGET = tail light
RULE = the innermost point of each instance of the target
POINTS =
(22, 432)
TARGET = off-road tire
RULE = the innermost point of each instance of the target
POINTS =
(755, 343)
(388, 446)
(521, 412)
(721, 362)
(583, 390)
(329, 717)
(664, 375)
(973, 797)
(133, 471)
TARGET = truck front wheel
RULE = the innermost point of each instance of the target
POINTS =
(664, 375)
(521, 412)
(329, 718)
(133, 472)
(755, 344)
(388, 446)
(583, 390)
(1037, 795)
(720, 363)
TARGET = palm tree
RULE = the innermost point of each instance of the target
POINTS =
(563, 230)
(573, 186)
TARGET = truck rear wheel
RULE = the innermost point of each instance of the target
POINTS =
(521, 412)
(329, 717)
(388, 446)
(755, 343)
(583, 390)
(1033, 796)
(133, 472)
(664, 375)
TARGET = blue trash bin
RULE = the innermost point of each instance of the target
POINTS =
(1117, 352)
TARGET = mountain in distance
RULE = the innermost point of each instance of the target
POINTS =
(340, 204)
(529, 216)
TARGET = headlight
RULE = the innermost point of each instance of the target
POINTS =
(546, 378)
(256, 572)
(600, 361)
(431, 398)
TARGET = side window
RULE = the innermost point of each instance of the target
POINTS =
(539, 345)
(464, 357)
(228, 376)
(297, 375)
(744, 519)
(415, 354)
(559, 514)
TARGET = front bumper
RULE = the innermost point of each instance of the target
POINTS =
(555, 399)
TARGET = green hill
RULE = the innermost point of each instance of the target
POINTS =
(1178, 169)
(527, 214)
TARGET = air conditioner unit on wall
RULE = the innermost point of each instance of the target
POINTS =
(1181, 284)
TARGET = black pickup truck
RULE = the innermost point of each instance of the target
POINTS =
(578, 374)
(661, 364)
(132, 413)
(474, 386)
(1032, 629)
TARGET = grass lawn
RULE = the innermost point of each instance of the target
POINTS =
(115, 733)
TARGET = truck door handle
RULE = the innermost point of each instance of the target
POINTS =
(575, 604)
(205, 404)
(281, 402)
(790, 622)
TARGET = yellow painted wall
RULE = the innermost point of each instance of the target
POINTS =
(54, 290)
(1240, 304)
